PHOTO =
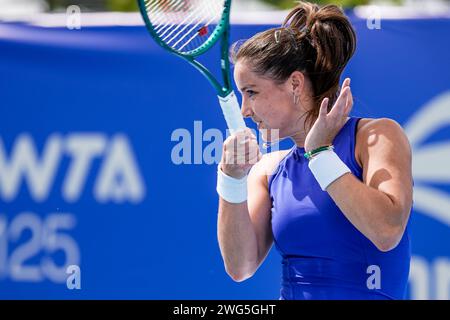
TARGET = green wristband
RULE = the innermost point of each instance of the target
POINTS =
(310, 154)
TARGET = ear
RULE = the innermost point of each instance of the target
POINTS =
(297, 82)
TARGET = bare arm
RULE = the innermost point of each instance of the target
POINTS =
(379, 206)
(244, 229)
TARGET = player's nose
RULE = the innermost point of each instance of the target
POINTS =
(246, 110)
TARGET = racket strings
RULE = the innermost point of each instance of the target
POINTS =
(172, 24)
(195, 15)
(160, 10)
(193, 30)
(184, 25)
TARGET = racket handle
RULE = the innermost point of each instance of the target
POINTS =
(232, 112)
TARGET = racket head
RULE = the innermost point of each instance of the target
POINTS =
(186, 27)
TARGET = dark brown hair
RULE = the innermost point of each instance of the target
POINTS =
(317, 41)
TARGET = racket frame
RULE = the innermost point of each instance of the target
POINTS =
(221, 31)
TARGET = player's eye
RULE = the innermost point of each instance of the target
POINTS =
(250, 93)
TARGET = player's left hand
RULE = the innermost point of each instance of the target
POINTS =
(328, 125)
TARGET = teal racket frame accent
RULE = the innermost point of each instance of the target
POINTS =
(221, 32)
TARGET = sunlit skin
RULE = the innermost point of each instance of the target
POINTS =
(282, 107)
(279, 110)
(271, 105)
(378, 206)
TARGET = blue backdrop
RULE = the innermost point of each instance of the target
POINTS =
(91, 122)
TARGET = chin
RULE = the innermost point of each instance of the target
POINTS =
(269, 135)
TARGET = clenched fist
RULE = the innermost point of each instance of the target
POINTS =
(240, 152)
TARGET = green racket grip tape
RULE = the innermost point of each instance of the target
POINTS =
(232, 112)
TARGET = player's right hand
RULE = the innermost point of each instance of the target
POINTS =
(240, 152)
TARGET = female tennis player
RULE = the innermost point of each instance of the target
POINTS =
(336, 204)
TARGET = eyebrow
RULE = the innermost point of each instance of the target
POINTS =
(247, 87)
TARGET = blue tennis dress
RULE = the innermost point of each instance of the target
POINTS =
(323, 255)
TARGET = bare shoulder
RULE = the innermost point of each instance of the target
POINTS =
(265, 167)
(370, 131)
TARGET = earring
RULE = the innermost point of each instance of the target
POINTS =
(295, 99)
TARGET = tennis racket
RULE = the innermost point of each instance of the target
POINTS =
(189, 29)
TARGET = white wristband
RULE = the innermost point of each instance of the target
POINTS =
(326, 167)
(231, 189)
